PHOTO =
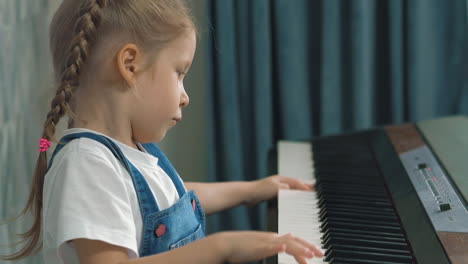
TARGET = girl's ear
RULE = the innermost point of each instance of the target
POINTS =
(128, 62)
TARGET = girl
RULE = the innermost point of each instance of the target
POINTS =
(108, 196)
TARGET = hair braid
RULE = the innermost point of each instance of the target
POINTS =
(85, 36)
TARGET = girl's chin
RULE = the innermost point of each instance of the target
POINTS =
(160, 136)
(155, 137)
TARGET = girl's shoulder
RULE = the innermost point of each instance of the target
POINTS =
(97, 150)
(87, 194)
(84, 150)
(83, 166)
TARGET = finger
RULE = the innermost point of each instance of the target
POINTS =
(300, 260)
(284, 186)
(266, 251)
(297, 250)
(276, 249)
(296, 184)
(295, 247)
(315, 249)
(282, 248)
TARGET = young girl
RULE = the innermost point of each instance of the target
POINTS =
(107, 195)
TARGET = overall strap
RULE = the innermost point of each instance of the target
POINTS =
(166, 165)
(146, 199)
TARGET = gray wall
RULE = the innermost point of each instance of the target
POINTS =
(186, 144)
(24, 94)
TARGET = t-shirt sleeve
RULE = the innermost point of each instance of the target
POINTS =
(89, 199)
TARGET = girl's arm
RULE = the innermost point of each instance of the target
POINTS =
(231, 247)
(219, 196)
(215, 197)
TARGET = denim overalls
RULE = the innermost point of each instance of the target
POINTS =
(164, 230)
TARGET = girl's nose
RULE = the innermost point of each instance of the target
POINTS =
(184, 100)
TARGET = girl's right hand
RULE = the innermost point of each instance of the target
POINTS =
(247, 246)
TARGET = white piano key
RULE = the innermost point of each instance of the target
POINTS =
(298, 210)
(295, 160)
(298, 214)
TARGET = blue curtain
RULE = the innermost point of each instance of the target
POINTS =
(282, 69)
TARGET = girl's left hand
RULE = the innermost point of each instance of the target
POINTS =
(267, 188)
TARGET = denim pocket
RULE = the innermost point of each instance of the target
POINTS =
(195, 235)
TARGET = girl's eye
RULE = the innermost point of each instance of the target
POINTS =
(181, 74)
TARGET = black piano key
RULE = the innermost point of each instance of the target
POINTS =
(364, 216)
(344, 165)
(350, 213)
(388, 252)
(337, 201)
(362, 232)
(344, 225)
(383, 245)
(335, 190)
(359, 209)
(338, 260)
(362, 221)
(367, 256)
(372, 186)
(351, 174)
(328, 196)
(383, 238)
(337, 185)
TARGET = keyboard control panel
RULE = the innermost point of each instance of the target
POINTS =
(447, 212)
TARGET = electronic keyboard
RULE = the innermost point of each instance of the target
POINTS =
(396, 194)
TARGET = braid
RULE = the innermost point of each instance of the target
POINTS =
(85, 30)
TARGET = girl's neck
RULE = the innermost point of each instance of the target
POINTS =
(97, 128)
(105, 115)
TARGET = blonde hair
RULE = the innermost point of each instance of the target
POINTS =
(77, 29)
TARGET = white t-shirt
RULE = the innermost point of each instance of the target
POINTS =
(89, 194)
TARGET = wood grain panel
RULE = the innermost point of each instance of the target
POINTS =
(456, 246)
(404, 137)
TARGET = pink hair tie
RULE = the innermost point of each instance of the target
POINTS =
(44, 145)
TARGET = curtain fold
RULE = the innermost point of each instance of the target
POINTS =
(282, 69)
